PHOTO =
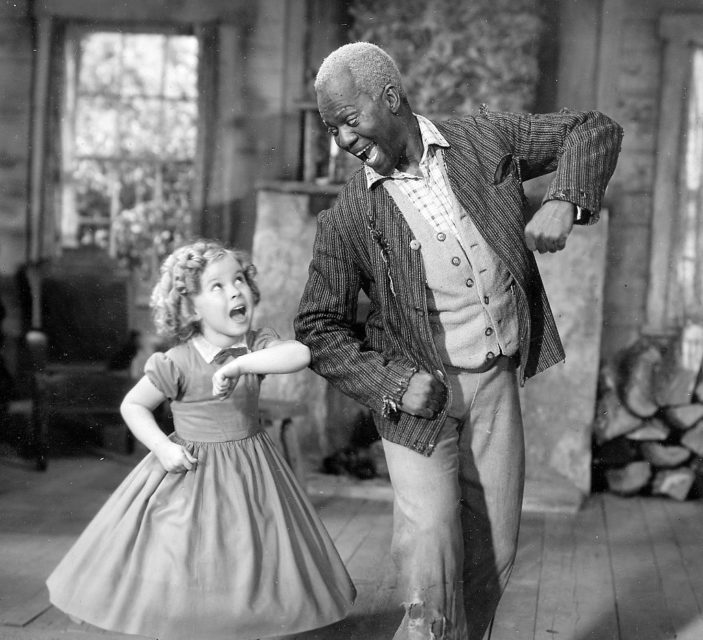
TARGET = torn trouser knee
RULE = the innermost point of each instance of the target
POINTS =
(424, 622)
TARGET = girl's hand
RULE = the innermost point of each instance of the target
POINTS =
(225, 379)
(174, 458)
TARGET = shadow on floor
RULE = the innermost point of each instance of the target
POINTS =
(381, 624)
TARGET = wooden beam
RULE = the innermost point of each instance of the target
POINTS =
(40, 101)
(579, 33)
(184, 12)
(613, 12)
(686, 28)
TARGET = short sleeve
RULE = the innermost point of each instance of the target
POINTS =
(164, 374)
(262, 338)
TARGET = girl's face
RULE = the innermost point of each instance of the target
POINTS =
(225, 304)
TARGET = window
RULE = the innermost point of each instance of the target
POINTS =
(128, 143)
(675, 295)
(689, 254)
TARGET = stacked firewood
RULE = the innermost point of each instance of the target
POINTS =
(648, 430)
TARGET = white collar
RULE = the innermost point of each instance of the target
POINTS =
(208, 350)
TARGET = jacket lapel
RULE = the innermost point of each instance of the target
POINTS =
(496, 211)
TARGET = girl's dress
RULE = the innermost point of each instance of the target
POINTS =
(232, 549)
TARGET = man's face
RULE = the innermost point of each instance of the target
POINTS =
(362, 125)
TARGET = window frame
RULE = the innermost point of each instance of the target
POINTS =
(68, 95)
(681, 32)
(52, 18)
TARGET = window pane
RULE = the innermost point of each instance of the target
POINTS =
(155, 213)
(93, 189)
(180, 126)
(178, 181)
(137, 183)
(141, 127)
(143, 65)
(100, 62)
(96, 126)
(181, 68)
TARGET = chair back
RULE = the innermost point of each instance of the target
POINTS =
(82, 301)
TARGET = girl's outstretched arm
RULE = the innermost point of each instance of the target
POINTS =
(137, 409)
(283, 356)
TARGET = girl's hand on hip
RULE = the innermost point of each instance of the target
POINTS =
(174, 458)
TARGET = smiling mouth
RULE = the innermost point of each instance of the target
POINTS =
(368, 153)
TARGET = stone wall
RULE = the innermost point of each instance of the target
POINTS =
(282, 248)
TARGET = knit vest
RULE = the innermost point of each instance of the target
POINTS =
(470, 293)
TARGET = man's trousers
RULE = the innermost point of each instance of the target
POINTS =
(456, 513)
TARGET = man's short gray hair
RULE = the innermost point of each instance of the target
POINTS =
(370, 66)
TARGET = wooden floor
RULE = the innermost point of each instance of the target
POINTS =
(620, 569)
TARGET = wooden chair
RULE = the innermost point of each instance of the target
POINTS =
(79, 342)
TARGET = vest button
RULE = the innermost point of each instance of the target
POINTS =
(441, 236)
(414, 245)
(485, 299)
(490, 355)
(469, 283)
(455, 261)
(489, 331)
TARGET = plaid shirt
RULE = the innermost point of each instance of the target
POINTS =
(430, 191)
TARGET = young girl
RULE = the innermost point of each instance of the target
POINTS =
(210, 536)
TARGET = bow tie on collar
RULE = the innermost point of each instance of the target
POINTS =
(234, 352)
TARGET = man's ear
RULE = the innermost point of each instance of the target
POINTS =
(391, 97)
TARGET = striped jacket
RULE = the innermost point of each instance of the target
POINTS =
(363, 244)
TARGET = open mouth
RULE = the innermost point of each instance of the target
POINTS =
(368, 153)
(237, 313)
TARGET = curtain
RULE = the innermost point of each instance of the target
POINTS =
(44, 219)
(204, 223)
(689, 267)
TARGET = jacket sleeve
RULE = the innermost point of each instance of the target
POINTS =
(581, 148)
(325, 323)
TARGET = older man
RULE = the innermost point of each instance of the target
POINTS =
(432, 229)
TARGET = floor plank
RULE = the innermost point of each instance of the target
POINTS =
(555, 602)
(685, 521)
(639, 597)
(594, 589)
(367, 561)
(679, 596)
(575, 559)
(28, 610)
(515, 617)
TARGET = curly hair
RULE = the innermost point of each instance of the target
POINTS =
(370, 67)
(171, 300)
